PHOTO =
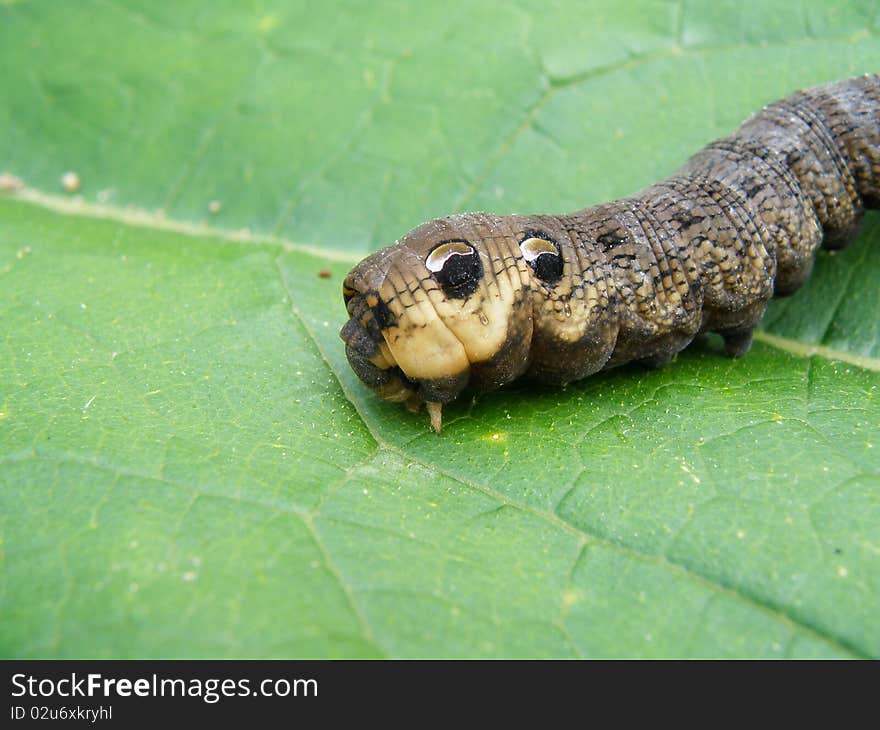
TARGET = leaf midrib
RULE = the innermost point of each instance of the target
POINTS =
(141, 218)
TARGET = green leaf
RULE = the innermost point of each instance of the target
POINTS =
(188, 467)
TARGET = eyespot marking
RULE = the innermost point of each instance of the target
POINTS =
(532, 248)
(456, 266)
(441, 253)
(544, 257)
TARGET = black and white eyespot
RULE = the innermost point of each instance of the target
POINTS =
(544, 257)
(456, 266)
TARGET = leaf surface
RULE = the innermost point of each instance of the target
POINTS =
(188, 467)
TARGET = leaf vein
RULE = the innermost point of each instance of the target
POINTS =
(778, 612)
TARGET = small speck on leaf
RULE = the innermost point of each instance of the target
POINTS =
(70, 182)
(10, 183)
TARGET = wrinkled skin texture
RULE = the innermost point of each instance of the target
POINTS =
(478, 300)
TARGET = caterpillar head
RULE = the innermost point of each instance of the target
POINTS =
(451, 305)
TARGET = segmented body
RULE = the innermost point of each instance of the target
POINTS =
(478, 300)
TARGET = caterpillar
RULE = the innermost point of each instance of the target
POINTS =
(477, 300)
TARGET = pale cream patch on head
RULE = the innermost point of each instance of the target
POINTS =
(481, 322)
(568, 317)
(420, 342)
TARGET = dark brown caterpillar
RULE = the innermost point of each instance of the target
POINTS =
(478, 300)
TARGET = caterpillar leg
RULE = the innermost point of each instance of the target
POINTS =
(657, 361)
(737, 342)
(435, 411)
